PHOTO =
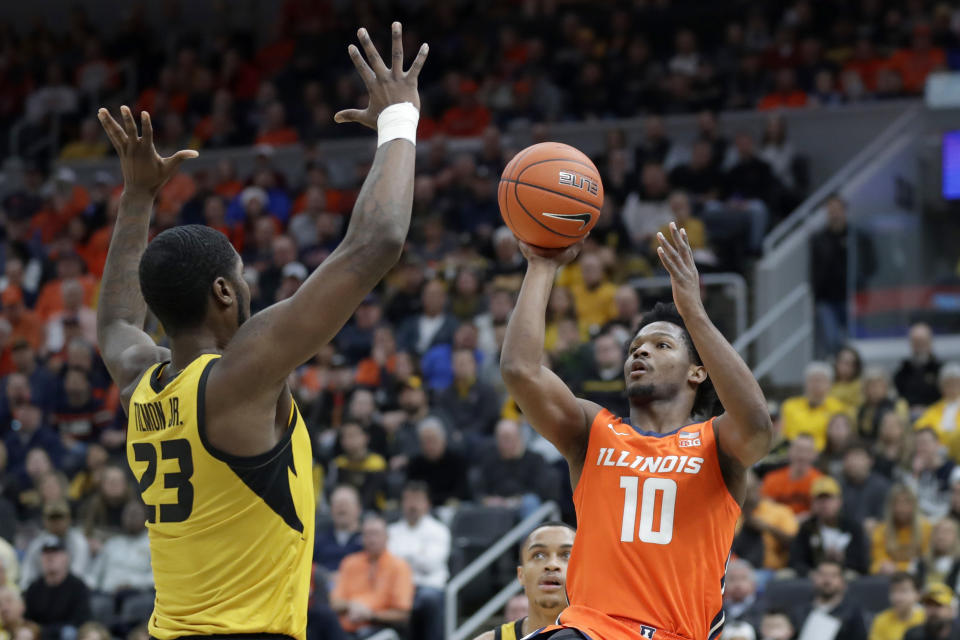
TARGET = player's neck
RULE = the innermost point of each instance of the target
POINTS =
(187, 347)
(539, 618)
(659, 416)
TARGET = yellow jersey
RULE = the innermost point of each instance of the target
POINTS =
(509, 630)
(231, 538)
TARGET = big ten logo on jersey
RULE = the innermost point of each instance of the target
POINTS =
(647, 632)
(151, 416)
(580, 182)
(649, 464)
(688, 439)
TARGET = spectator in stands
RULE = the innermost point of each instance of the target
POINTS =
(69, 267)
(444, 471)
(512, 476)
(811, 412)
(57, 522)
(791, 485)
(359, 467)
(43, 383)
(342, 538)
(682, 211)
(374, 588)
(93, 631)
(829, 275)
(89, 145)
(777, 151)
(432, 326)
(103, 511)
(647, 210)
(901, 541)
(847, 385)
(79, 417)
(274, 130)
(915, 63)
(602, 382)
(86, 481)
(776, 625)
(839, 438)
(942, 563)
(122, 568)
(740, 599)
(864, 490)
(701, 177)
(929, 474)
(469, 404)
(904, 612)
(766, 528)
(57, 600)
(786, 93)
(829, 535)
(29, 431)
(593, 295)
(878, 398)
(916, 379)
(830, 597)
(940, 608)
(750, 177)
(437, 364)
(894, 448)
(469, 117)
(944, 415)
(24, 323)
(12, 610)
(424, 543)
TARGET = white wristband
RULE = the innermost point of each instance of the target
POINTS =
(398, 121)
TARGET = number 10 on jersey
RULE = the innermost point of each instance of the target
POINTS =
(648, 503)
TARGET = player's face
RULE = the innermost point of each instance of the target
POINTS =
(658, 364)
(544, 569)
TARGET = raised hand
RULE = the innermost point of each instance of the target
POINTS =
(386, 86)
(144, 170)
(677, 257)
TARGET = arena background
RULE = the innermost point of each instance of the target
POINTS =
(811, 149)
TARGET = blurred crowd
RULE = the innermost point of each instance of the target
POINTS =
(224, 84)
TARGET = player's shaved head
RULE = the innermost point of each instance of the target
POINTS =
(544, 556)
(546, 525)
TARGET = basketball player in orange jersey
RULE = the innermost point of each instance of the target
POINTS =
(657, 492)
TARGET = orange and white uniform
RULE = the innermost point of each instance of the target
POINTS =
(656, 523)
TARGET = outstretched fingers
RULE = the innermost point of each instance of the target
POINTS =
(376, 62)
(147, 127)
(417, 65)
(396, 64)
(174, 161)
(366, 73)
(112, 128)
(129, 126)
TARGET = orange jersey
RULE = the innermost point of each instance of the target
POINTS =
(656, 523)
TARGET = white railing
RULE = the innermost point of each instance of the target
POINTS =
(547, 511)
(801, 297)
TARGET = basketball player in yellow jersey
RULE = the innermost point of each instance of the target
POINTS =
(217, 444)
(543, 573)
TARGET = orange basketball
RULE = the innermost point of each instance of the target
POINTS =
(550, 195)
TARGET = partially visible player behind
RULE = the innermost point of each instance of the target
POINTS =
(543, 573)
(658, 492)
(221, 453)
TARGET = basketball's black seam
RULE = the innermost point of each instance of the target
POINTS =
(506, 197)
(563, 195)
(516, 185)
(579, 162)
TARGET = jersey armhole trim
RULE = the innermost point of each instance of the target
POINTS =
(240, 462)
(606, 413)
(719, 468)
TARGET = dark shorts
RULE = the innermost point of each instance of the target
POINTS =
(560, 634)
(236, 636)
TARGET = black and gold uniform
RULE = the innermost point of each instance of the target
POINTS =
(509, 630)
(231, 538)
